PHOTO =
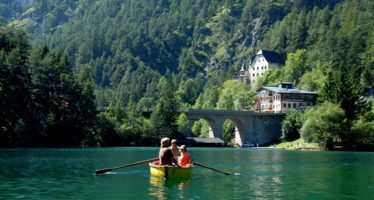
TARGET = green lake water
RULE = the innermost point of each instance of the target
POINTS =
(260, 173)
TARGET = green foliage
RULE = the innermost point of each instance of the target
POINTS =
(312, 80)
(291, 125)
(106, 133)
(245, 100)
(204, 132)
(58, 98)
(296, 66)
(189, 90)
(228, 131)
(196, 128)
(146, 104)
(149, 38)
(271, 77)
(342, 88)
(120, 51)
(230, 93)
(324, 34)
(208, 99)
(132, 123)
(226, 101)
(15, 116)
(201, 129)
(325, 125)
(164, 116)
(50, 107)
(183, 125)
(362, 133)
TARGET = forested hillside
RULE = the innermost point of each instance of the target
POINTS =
(138, 48)
(127, 42)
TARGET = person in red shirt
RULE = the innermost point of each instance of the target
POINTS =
(185, 160)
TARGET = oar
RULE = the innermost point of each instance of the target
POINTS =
(212, 168)
(105, 170)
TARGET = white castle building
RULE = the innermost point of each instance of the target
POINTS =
(263, 61)
(274, 99)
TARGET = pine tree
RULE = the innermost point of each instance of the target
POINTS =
(14, 87)
(165, 113)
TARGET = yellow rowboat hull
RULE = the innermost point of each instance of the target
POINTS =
(170, 172)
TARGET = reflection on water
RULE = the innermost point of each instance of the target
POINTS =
(160, 188)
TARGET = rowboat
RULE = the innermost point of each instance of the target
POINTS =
(169, 172)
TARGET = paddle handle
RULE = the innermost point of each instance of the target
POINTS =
(135, 163)
(201, 165)
(105, 170)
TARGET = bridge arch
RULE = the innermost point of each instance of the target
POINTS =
(250, 127)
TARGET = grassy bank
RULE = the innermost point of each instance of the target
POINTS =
(298, 144)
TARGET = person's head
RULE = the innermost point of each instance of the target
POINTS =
(165, 142)
(183, 148)
(174, 142)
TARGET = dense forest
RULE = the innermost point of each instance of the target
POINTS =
(102, 73)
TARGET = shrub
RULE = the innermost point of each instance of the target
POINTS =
(324, 125)
(291, 125)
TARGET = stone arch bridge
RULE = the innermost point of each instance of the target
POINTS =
(251, 127)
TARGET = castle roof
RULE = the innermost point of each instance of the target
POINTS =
(286, 90)
(242, 69)
(271, 57)
(285, 87)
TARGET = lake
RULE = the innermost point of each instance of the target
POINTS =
(260, 173)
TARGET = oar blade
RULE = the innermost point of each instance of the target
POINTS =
(103, 171)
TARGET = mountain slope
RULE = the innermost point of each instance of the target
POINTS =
(136, 41)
